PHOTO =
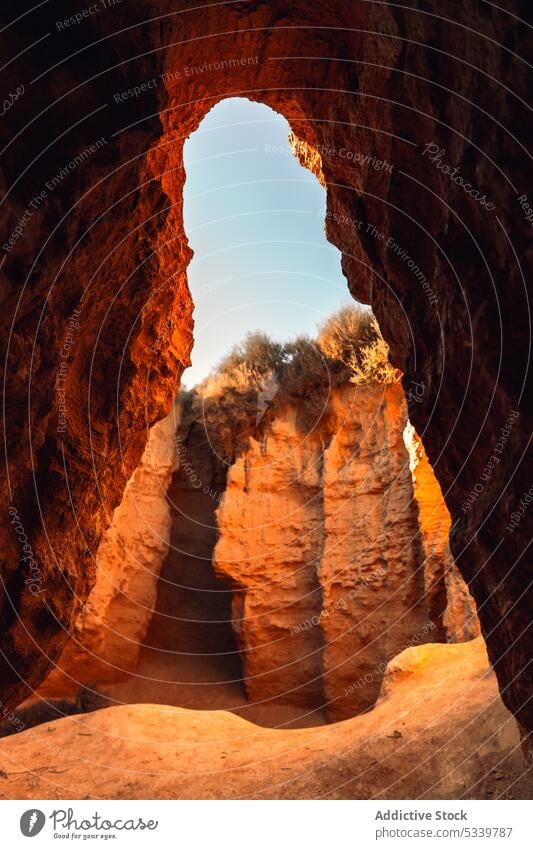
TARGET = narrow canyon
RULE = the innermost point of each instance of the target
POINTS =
(287, 562)
(271, 556)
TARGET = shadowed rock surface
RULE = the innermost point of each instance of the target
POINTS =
(383, 81)
(39, 711)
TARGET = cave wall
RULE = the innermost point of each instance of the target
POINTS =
(369, 86)
(110, 630)
(320, 538)
(449, 600)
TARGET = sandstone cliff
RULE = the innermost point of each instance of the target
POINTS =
(385, 80)
(109, 632)
(323, 547)
(449, 599)
(320, 538)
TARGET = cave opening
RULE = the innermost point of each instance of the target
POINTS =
(308, 541)
(353, 83)
(254, 218)
(300, 539)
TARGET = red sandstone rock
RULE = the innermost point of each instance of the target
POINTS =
(380, 81)
(320, 538)
(111, 628)
(450, 603)
(331, 557)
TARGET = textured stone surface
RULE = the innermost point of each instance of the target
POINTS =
(451, 606)
(331, 562)
(270, 544)
(111, 628)
(320, 539)
(108, 240)
(441, 703)
(372, 569)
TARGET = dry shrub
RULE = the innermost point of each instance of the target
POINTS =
(352, 337)
(248, 362)
(259, 376)
(304, 368)
(349, 348)
(370, 364)
(345, 332)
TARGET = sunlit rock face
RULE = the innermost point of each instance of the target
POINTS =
(370, 87)
(320, 539)
(110, 630)
(330, 537)
(450, 603)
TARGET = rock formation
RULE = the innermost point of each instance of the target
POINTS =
(331, 553)
(440, 702)
(320, 538)
(451, 606)
(111, 628)
(394, 98)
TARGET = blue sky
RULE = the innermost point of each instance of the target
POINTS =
(255, 220)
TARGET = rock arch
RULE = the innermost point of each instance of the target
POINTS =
(98, 229)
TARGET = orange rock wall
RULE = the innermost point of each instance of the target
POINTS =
(381, 81)
(109, 631)
(449, 599)
(333, 540)
(320, 539)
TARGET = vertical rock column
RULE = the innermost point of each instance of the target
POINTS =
(110, 630)
(271, 538)
(371, 570)
(451, 605)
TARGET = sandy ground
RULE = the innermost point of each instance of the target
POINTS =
(202, 683)
(206, 675)
(440, 730)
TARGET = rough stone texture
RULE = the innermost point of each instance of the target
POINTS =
(329, 561)
(451, 606)
(441, 702)
(190, 641)
(372, 568)
(375, 79)
(271, 538)
(320, 538)
(111, 628)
